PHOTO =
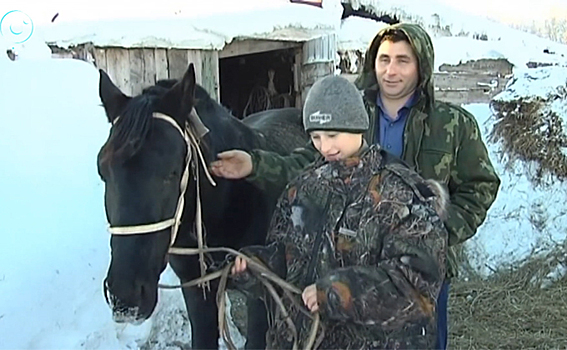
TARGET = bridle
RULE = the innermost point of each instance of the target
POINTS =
(193, 152)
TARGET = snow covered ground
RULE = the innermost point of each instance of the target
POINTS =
(55, 247)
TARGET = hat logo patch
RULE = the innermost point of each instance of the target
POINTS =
(321, 118)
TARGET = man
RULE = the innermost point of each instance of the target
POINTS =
(439, 140)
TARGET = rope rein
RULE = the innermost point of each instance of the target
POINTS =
(268, 279)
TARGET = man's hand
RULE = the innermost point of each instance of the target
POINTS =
(309, 296)
(233, 164)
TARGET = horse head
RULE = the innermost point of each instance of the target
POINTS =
(143, 165)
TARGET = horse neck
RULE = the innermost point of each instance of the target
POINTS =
(225, 131)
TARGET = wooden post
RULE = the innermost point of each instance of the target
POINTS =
(100, 59)
(162, 67)
(195, 57)
(149, 73)
(318, 60)
(210, 73)
(118, 62)
(297, 64)
(136, 70)
(178, 61)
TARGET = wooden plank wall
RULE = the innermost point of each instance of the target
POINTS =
(210, 76)
(134, 69)
(318, 60)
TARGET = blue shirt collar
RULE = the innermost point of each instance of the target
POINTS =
(409, 103)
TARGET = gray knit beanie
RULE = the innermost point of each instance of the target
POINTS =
(333, 103)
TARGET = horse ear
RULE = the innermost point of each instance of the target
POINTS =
(188, 83)
(112, 98)
(181, 94)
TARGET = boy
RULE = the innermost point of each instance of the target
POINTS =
(359, 232)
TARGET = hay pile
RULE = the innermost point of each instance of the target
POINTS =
(510, 309)
(531, 131)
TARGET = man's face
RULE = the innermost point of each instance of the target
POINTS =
(396, 70)
(335, 145)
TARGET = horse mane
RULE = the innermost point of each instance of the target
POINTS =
(129, 132)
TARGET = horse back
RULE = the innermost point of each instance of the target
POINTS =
(279, 130)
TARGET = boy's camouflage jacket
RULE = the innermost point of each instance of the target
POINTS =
(441, 141)
(367, 232)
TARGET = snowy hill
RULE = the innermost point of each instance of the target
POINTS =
(518, 47)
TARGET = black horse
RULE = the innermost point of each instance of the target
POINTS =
(142, 165)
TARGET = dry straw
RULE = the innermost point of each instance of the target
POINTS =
(529, 131)
(510, 309)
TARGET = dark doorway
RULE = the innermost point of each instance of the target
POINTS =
(245, 82)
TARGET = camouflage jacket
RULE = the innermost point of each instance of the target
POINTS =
(441, 141)
(366, 231)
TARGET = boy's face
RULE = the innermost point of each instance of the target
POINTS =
(396, 70)
(335, 145)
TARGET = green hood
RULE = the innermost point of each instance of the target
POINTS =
(421, 43)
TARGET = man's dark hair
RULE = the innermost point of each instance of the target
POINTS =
(394, 35)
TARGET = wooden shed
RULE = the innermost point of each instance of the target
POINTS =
(474, 81)
(250, 73)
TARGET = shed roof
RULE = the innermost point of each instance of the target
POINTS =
(197, 25)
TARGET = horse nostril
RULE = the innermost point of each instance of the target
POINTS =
(143, 291)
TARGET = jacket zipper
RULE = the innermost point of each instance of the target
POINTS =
(318, 242)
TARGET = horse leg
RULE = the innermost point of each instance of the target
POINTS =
(257, 324)
(203, 315)
(202, 312)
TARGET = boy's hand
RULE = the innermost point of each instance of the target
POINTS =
(309, 296)
(239, 266)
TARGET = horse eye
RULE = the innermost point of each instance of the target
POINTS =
(171, 176)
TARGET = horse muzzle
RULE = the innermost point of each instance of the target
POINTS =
(134, 312)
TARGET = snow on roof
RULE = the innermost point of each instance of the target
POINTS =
(502, 41)
(198, 25)
(357, 33)
(435, 15)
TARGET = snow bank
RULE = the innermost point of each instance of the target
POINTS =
(54, 250)
(526, 218)
(55, 246)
